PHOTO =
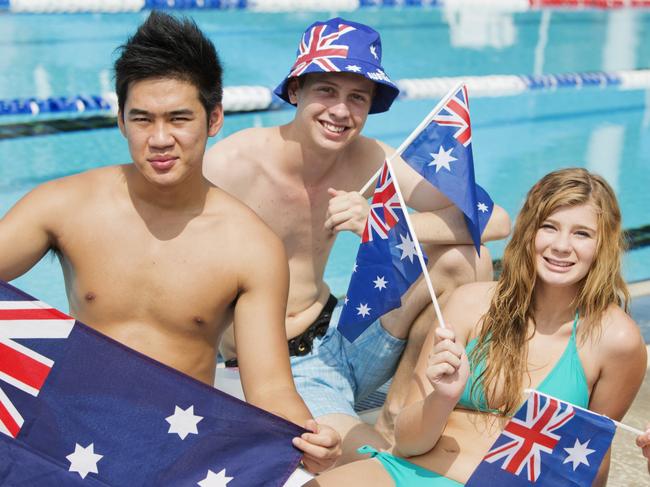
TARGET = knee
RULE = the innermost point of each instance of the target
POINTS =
(460, 265)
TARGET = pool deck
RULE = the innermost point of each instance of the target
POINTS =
(628, 467)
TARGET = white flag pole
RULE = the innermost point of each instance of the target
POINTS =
(416, 242)
(415, 133)
(418, 250)
(617, 423)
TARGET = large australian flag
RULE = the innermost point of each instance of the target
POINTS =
(442, 154)
(77, 408)
(386, 265)
(547, 443)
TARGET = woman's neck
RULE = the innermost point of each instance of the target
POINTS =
(553, 307)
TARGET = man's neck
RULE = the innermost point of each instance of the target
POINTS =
(304, 159)
(187, 195)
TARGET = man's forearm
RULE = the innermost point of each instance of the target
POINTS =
(285, 403)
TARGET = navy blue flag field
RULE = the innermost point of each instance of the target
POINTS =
(77, 408)
(547, 443)
(442, 154)
(386, 265)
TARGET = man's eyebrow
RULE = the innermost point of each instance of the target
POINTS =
(137, 111)
(181, 111)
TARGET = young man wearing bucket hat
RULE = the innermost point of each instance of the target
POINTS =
(303, 179)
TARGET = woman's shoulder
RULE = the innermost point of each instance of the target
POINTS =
(620, 334)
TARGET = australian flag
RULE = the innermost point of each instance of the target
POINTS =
(547, 443)
(387, 262)
(77, 408)
(442, 154)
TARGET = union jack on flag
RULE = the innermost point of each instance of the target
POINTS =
(387, 263)
(455, 113)
(531, 436)
(316, 47)
(21, 366)
(548, 442)
(384, 208)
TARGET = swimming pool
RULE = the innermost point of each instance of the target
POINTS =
(516, 139)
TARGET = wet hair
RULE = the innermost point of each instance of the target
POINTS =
(502, 341)
(167, 47)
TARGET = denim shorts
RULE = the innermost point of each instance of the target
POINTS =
(338, 373)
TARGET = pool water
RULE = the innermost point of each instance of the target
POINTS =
(516, 139)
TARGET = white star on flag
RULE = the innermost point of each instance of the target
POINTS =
(346, 300)
(482, 207)
(373, 51)
(407, 247)
(578, 454)
(380, 283)
(83, 460)
(442, 159)
(363, 309)
(353, 68)
(183, 422)
(215, 479)
(354, 267)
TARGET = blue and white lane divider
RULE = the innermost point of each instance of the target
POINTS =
(254, 98)
(51, 6)
(65, 6)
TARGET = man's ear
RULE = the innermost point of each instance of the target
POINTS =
(120, 122)
(215, 121)
(292, 90)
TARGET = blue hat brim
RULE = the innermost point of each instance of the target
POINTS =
(386, 92)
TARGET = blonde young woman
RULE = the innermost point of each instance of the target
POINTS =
(556, 321)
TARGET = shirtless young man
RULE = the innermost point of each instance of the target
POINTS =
(154, 255)
(303, 179)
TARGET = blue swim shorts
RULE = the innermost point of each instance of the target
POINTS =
(337, 373)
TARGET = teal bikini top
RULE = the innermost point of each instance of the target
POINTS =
(567, 380)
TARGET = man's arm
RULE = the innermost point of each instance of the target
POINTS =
(262, 350)
(447, 226)
(25, 234)
(437, 221)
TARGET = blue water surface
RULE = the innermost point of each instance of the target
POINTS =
(516, 139)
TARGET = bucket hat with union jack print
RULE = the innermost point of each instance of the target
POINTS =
(339, 45)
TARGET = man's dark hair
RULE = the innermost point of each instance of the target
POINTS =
(166, 47)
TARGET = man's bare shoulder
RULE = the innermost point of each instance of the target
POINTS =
(243, 224)
(363, 157)
(74, 189)
(245, 146)
(370, 149)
